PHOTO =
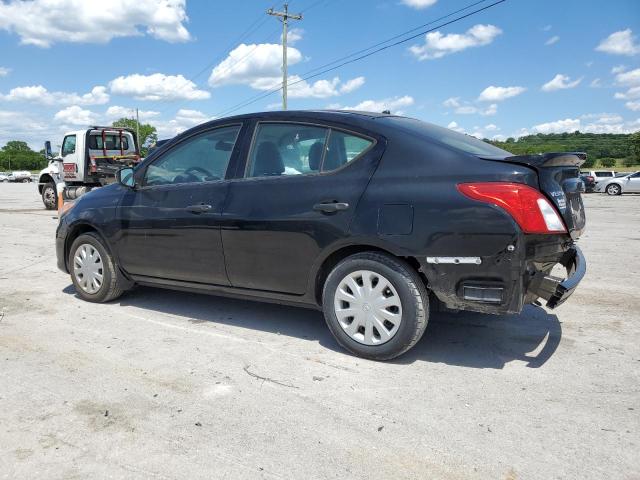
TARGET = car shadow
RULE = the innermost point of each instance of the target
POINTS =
(463, 339)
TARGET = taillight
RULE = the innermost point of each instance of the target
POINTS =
(590, 178)
(528, 207)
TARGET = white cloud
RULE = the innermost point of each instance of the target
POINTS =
(595, 83)
(352, 85)
(591, 123)
(183, 120)
(438, 45)
(630, 78)
(157, 87)
(39, 94)
(497, 94)
(618, 69)
(631, 94)
(552, 40)
(75, 115)
(622, 42)
(452, 102)
(259, 66)
(294, 35)
(115, 112)
(454, 126)
(27, 127)
(394, 105)
(4, 71)
(255, 65)
(418, 4)
(466, 108)
(45, 22)
(491, 127)
(635, 106)
(560, 82)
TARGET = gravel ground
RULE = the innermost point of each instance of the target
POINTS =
(165, 385)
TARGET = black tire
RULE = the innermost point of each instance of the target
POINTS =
(50, 196)
(614, 189)
(411, 291)
(110, 288)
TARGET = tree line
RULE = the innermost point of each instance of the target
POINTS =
(604, 149)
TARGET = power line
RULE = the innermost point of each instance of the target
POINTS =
(365, 55)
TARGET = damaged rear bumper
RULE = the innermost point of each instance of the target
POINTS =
(510, 279)
(556, 290)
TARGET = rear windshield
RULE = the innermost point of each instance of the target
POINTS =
(111, 141)
(460, 141)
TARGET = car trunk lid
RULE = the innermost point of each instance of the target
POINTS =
(559, 180)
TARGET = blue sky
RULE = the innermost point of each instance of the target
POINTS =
(523, 66)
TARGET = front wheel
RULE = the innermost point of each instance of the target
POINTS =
(375, 305)
(49, 196)
(614, 189)
(93, 270)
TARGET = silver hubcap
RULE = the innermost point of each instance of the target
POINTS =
(368, 307)
(613, 189)
(87, 268)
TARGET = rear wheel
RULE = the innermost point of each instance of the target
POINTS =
(93, 270)
(375, 305)
(49, 196)
(614, 189)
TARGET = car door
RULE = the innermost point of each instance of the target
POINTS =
(633, 183)
(300, 189)
(171, 220)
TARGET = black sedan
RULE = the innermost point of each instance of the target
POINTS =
(369, 217)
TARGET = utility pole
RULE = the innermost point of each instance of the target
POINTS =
(138, 129)
(284, 18)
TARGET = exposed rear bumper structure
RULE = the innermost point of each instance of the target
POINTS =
(556, 290)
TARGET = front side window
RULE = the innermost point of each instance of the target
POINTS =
(281, 149)
(69, 145)
(202, 158)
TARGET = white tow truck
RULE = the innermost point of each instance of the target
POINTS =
(88, 159)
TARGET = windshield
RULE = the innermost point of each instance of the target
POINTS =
(460, 141)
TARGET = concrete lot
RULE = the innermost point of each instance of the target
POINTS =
(166, 385)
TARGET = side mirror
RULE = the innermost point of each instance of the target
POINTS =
(47, 150)
(125, 177)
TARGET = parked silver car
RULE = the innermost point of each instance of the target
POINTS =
(619, 185)
(4, 177)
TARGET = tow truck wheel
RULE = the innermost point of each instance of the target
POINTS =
(93, 270)
(49, 196)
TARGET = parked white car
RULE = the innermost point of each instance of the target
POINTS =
(619, 185)
(4, 177)
(600, 175)
(20, 176)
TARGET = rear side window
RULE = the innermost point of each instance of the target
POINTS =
(69, 145)
(460, 141)
(111, 142)
(604, 174)
(281, 149)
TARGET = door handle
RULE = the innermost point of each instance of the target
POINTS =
(200, 208)
(330, 207)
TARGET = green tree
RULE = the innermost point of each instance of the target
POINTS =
(16, 146)
(16, 155)
(607, 162)
(634, 141)
(148, 133)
